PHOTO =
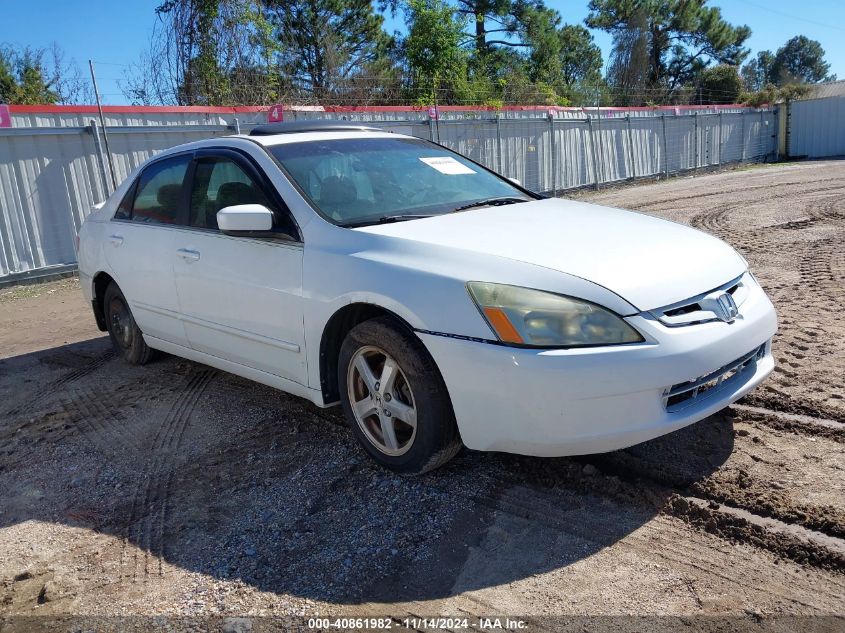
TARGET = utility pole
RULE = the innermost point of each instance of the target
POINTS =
(103, 125)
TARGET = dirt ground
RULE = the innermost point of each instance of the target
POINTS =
(179, 490)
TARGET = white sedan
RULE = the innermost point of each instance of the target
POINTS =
(440, 303)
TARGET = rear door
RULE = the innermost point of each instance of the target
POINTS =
(240, 297)
(140, 247)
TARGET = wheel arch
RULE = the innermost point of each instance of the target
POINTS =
(335, 331)
(99, 284)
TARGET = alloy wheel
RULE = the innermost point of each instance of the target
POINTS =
(382, 400)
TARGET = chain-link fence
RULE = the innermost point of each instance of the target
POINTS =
(51, 176)
(553, 155)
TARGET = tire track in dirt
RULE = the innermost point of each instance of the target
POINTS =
(535, 501)
(778, 402)
(804, 343)
(803, 185)
(770, 534)
(150, 497)
(796, 423)
(715, 219)
(103, 414)
(711, 493)
(99, 416)
(737, 487)
(48, 391)
(831, 208)
(817, 273)
(628, 479)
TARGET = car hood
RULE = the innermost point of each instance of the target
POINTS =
(647, 261)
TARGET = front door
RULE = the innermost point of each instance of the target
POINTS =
(240, 297)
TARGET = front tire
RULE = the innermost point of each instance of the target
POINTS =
(395, 399)
(126, 337)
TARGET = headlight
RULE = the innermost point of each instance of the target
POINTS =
(522, 316)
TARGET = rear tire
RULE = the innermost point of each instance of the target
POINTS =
(395, 399)
(126, 337)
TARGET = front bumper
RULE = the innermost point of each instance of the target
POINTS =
(592, 400)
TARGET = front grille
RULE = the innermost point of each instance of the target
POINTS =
(676, 395)
(692, 311)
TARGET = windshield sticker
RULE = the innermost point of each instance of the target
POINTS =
(447, 165)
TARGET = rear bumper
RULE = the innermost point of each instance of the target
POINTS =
(569, 402)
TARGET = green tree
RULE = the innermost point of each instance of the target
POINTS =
(682, 38)
(771, 94)
(758, 72)
(580, 58)
(433, 48)
(207, 52)
(324, 43)
(539, 30)
(203, 81)
(25, 79)
(496, 23)
(800, 60)
(719, 84)
(628, 66)
(563, 58)
(8, 83)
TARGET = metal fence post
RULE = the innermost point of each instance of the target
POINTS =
(762, 134)
(596, 179)
(499, 141)
(665, 147)
(431, 129)
(553, 146)
(101, 159)
(742, 121)
(787, 142)
(631, 166)
(720, 138)
(695, 142)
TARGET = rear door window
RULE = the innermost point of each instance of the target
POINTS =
(159, 191)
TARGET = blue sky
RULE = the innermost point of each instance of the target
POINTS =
(114, 33)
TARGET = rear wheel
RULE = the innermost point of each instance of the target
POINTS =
(395, 399)
(125, 335)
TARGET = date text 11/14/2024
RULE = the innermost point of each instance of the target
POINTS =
(419, 624)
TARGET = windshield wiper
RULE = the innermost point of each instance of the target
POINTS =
(492, 202)
(386, 219)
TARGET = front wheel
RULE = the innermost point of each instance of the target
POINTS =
(125, 335)
(395, 399)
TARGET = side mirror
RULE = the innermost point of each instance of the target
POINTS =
(515, 181)
(245, 220)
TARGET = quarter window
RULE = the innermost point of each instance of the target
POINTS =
(160, 191)
(124, 210)
(218, 183)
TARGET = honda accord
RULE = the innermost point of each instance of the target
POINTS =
(438, 302)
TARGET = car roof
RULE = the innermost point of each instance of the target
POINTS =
(319, 133)
(293, 127)
(327, 135)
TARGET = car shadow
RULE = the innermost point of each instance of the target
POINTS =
(193, 467)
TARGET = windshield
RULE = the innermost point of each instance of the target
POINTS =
(355, 181)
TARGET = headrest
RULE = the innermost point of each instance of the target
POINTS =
(168, 196)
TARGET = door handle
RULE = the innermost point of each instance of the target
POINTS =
(188, 255)
(116, 240)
